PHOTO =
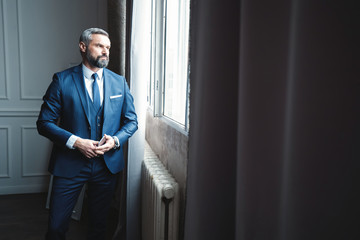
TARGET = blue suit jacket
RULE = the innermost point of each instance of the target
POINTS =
(65, 111)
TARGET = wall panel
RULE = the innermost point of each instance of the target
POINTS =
(53, 46)
(35, 152)
(4, 152)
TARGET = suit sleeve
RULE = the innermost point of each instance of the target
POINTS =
(50, 113)
(129, 123)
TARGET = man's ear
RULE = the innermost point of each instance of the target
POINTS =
(82, 47)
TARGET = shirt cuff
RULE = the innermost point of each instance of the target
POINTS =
(117, 144)
(70, 142)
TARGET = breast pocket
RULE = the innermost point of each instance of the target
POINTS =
(116, 102)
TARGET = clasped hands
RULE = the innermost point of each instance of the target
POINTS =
(89, 148)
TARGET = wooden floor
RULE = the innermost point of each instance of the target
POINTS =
(24, 217)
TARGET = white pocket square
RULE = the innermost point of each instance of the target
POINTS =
(115, 96)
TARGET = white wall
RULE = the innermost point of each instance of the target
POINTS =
(37, 38)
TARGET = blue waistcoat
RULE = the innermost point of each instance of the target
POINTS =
(96, 120)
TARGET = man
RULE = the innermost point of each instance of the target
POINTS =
(82, 105)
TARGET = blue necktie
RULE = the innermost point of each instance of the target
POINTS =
(96, 93)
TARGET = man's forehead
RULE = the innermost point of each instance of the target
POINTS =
(100, 38)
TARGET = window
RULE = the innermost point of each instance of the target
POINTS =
(168, 86)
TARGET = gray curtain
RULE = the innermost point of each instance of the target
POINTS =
(274, 143)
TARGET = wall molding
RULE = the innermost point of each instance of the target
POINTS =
(5, 112)
(23, 157)
(4, 97)
(7, 130)
(21, 75)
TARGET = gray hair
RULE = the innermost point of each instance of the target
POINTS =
(86, 35)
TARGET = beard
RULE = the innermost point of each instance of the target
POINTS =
(96, 61)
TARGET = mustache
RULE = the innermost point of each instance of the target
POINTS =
(104, 55)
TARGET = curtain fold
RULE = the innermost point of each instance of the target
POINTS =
(214, 38)
(284, 76)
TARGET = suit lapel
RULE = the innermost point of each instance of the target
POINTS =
(80, 85)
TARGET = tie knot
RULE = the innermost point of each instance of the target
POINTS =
(95, 76)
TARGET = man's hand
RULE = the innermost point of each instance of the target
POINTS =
(87, 147)
(108, 145)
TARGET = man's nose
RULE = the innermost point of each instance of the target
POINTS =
(105, 50)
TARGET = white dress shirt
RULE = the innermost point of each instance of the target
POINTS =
(89, 81)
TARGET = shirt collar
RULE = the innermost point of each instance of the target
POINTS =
(88, 73)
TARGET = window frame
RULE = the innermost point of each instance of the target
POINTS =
(156, 83)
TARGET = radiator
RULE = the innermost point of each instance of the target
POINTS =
(160, 200)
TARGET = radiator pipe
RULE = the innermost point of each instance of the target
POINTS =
(167, 202)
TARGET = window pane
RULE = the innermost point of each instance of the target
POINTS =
(176, 59)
